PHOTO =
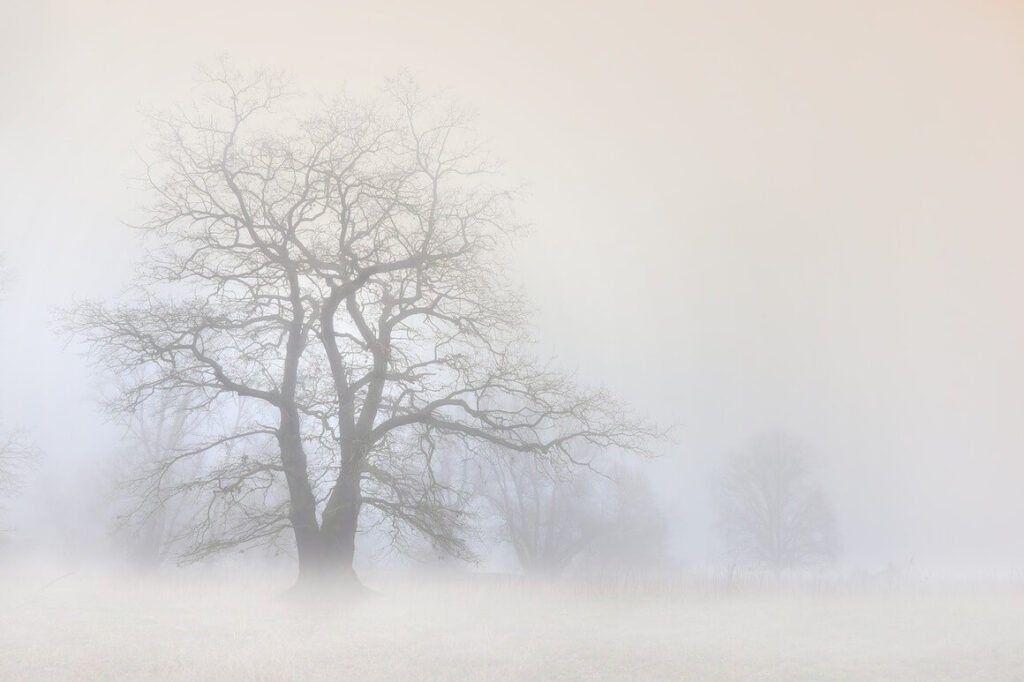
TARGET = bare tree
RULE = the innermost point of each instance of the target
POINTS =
(546, 513)
(451, 486)
(16, 453)
(633, 533)
(555, 517)
(770, 511)
(15, 456)
(152, 522)
(341, 273)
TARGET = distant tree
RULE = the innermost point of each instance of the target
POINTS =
(158, 507)
(632, 536)
(545, 513)
(555, 517)
(770, 511)
(451, 485)
(16, 453)
(15, 456)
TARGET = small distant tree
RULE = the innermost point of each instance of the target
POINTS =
(633, 534)
(546, 514)
(556, 517)
(15, 451)
(156, 512)
(15, 454)
(771, 513)
(448, 479)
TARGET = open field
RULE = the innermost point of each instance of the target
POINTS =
(94, 627)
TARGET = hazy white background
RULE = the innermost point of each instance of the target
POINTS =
(747, 216)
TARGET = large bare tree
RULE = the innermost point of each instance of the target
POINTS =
(339, 269)
(771, 513)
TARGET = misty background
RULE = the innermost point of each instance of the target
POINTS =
(745, 218)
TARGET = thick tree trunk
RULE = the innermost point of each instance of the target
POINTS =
(341, 514)
(326, 553)
(340, 523)
(302, 502)
(302, 509)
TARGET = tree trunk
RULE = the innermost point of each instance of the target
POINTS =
(302, 502)
(340, 523)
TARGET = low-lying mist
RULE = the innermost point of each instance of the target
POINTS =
(379, 340)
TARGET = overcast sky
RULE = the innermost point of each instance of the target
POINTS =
(747, 216)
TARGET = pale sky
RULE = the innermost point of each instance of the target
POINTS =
(746, 216)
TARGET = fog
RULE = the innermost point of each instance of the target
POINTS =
(751, 223)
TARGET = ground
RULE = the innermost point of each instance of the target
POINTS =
(91, 626)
